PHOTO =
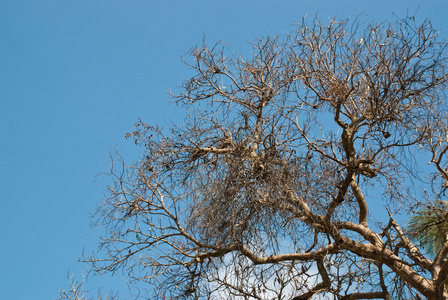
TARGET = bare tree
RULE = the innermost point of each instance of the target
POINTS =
(292, 172)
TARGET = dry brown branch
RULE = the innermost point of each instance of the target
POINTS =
(267, 189)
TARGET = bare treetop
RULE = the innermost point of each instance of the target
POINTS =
(266, 190)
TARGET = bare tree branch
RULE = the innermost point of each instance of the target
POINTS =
(266, 191)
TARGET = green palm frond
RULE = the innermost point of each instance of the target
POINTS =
(429, 226)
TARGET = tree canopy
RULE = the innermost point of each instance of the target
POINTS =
(293, 173)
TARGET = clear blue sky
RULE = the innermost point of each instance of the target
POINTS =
(74, 76)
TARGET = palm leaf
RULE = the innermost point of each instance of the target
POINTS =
(429, 226)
